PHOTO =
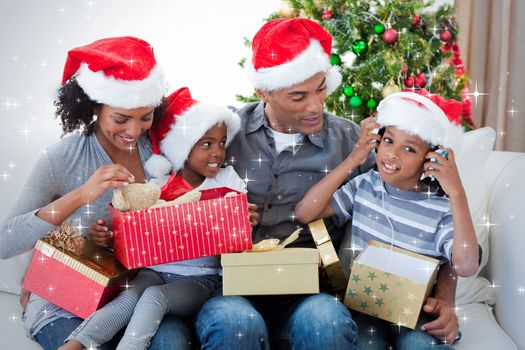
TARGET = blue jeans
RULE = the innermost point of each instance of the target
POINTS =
(297, 322)
(172, 334)
(377, 334)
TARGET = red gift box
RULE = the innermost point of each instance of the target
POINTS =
(211, 226)
(79, 284)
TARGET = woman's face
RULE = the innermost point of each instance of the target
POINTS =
(120, 129)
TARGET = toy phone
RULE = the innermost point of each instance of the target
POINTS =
(443, 153)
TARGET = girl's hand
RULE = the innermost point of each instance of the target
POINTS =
(253, 214)
(99, 233)
(445, 171)
(107, 176)
(368, 140)
(24, 298)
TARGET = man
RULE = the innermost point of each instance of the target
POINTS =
(286, 144)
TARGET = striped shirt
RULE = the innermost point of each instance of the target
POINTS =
(415, 221)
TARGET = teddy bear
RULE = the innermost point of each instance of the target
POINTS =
(144, 196)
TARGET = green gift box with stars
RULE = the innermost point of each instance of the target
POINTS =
(390, 283)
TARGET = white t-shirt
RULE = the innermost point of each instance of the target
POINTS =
(209, 265)
(283, 140)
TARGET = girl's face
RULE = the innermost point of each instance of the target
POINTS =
(206, 156)
(119, 129)
(400, 158)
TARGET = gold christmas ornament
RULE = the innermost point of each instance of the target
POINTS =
(389, 89)
(285, 10)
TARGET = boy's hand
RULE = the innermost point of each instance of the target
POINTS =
(368, 140)
(445, 327)
(254, 215)
(445, 171)
(99, 233)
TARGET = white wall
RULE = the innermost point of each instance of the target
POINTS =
(198, 43)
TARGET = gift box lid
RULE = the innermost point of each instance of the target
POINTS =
(287, 256)
(95, 262)
(395, 260)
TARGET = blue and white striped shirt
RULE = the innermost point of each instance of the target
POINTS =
(415, 221)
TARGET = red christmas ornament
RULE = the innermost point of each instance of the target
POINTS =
(409, 81)
(404, 70)
(327, 14)
(416, 20)
(421, 80)
(390, 36)
(445, 36)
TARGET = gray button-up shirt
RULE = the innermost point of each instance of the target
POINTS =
(277, 182)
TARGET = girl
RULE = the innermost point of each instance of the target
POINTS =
(192, 138)
(107, 104)
(392, 204)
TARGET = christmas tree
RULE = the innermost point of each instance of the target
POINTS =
(386, 46)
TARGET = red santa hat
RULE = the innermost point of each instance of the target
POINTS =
(429, 116)
(120, 72)
(185, 121)
(288, 51)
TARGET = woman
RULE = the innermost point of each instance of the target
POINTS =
(111, 94)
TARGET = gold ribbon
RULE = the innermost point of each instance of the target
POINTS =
(329, 258)
(269, 245)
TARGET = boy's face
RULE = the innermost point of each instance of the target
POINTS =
(400, 158)
(207, 154)
(298, 108)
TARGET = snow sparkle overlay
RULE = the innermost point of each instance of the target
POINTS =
(26, 130)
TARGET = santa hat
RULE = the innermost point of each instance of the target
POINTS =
(184, 123)
(429, 116)
(120, 72)
(288, 51)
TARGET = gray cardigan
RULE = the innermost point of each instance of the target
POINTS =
(60, 169)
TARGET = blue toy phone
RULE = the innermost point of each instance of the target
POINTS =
(443, 153)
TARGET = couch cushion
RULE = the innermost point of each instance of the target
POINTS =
(12, 271)
(12, 326)
(480, 330)
(471, 160)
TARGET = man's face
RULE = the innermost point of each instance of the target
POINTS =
(298, 108)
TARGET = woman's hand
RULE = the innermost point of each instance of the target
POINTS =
(253, 214)
(368, 140)
(445, 171)
(106, 177)
(99, 233)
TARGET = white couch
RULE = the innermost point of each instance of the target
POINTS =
(495, 189)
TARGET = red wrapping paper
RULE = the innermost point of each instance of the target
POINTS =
(78, 284)
(211, 226)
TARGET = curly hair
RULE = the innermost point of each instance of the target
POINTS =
(75, 109)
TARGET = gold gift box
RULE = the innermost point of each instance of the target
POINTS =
(390, 283)
(285, 271)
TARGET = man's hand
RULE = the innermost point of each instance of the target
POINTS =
(445, 327)
(24, 298)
